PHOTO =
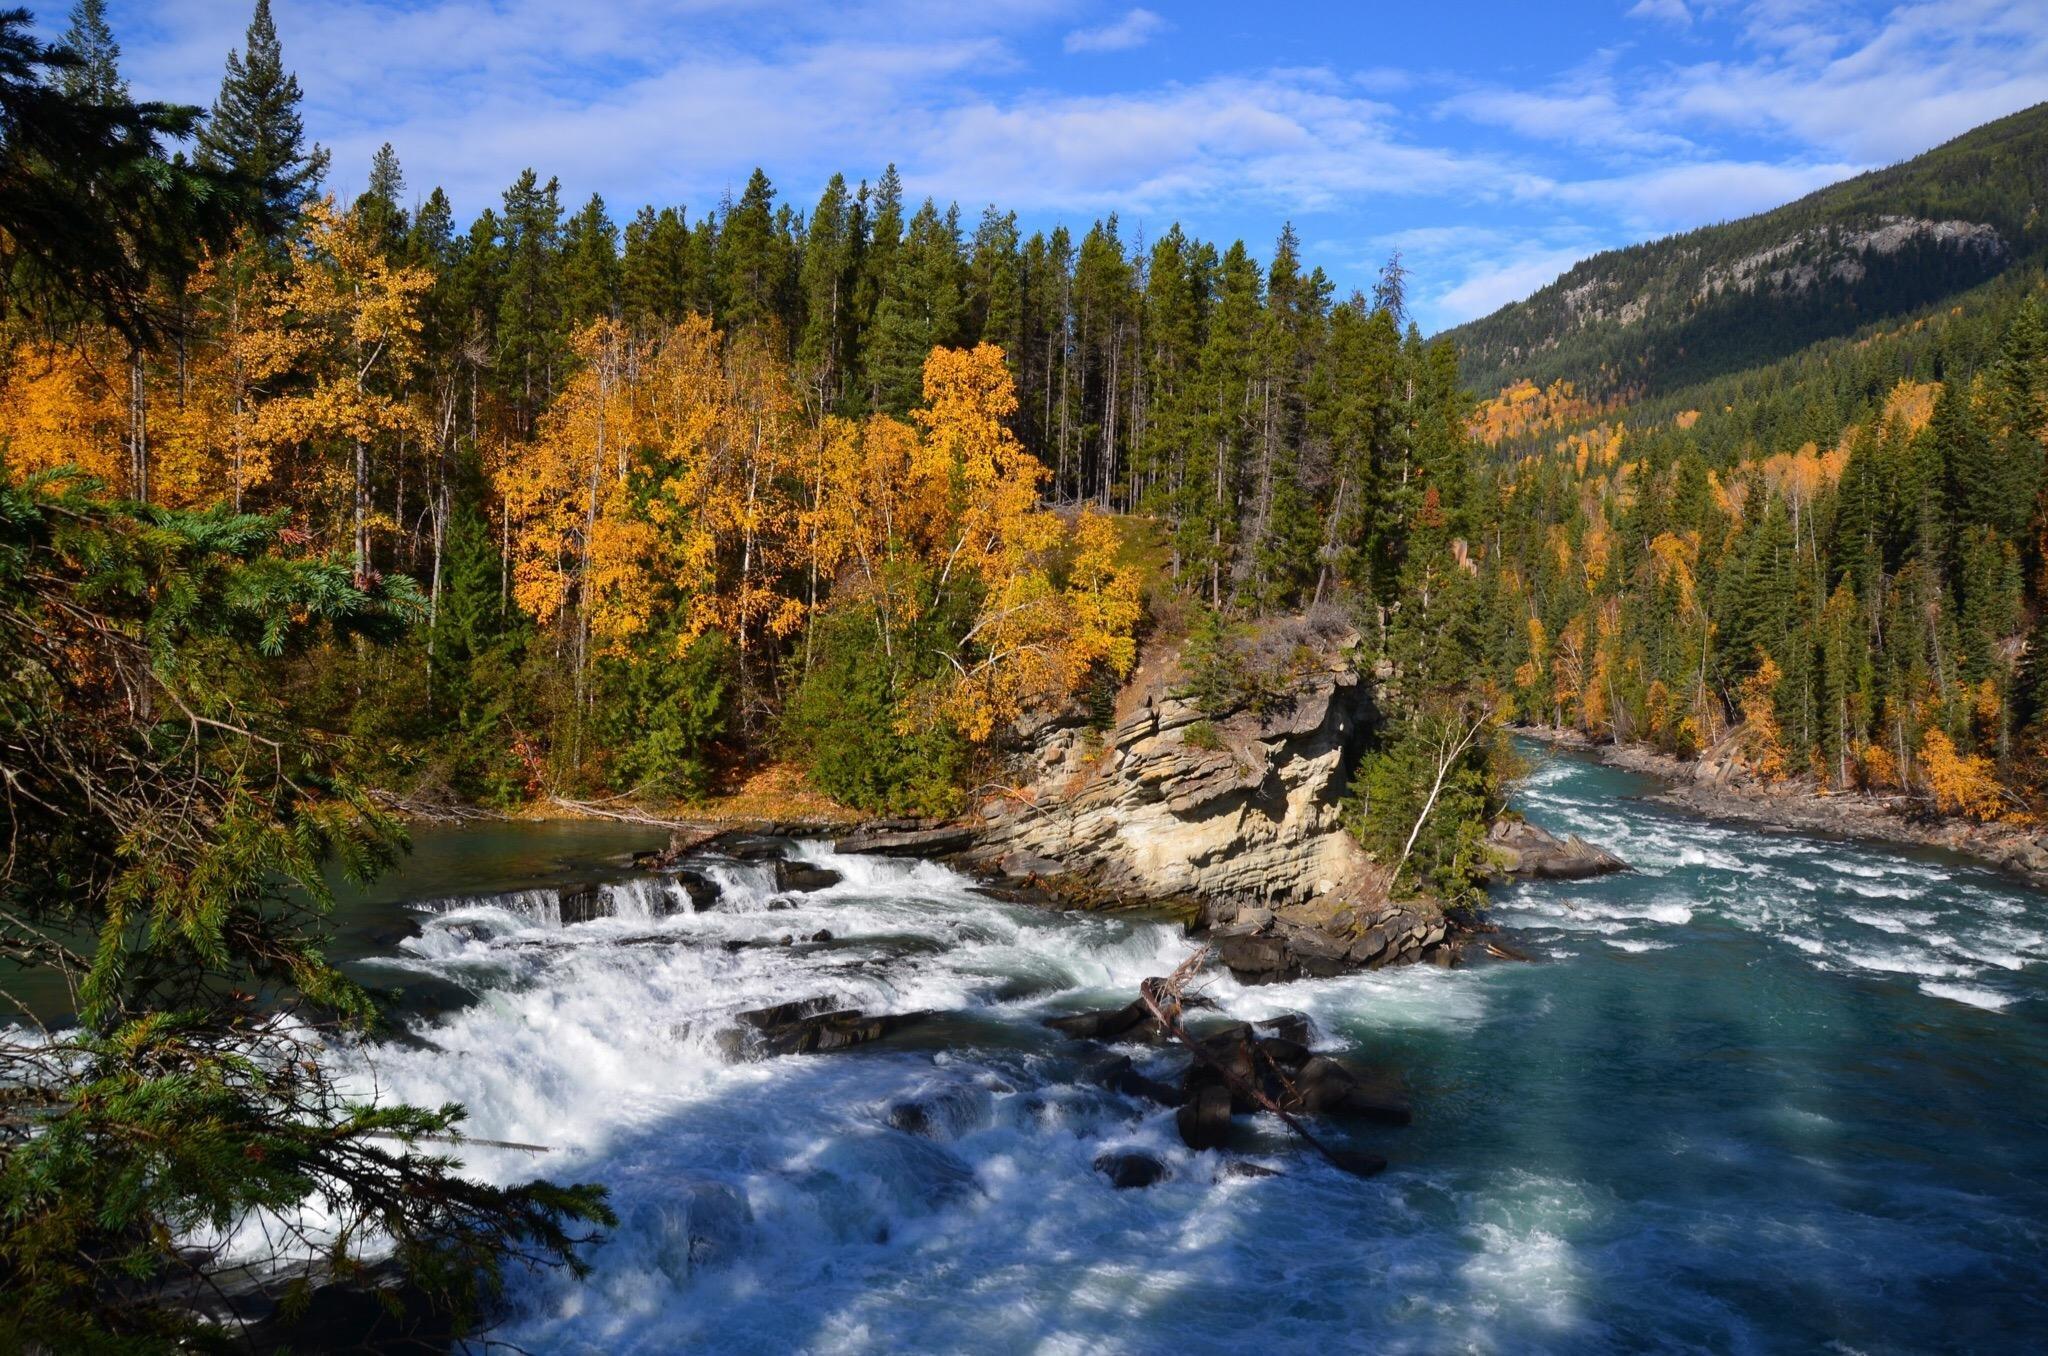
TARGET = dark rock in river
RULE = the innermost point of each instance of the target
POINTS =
(380, 1311)
(1132, 1022)
(1126, 1171)
(1121, 1076)
(803, 877)
(582, 903)
(943, 1110)
(1204, 1119)
(932, 842)
(700, 890)
(817, 1031)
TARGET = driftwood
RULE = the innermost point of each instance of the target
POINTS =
(629, 815)
(1162, 997)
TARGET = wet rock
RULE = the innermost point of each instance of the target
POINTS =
(1132, 1022)
(1121, 1076)
(909, 842)
(834, 1031)
(1291, 1026)
(697, 1225)
(1129, 1171)
(781, 1014)
(942, 1110)
(1256, 959)
(1026, 866)
(822, 935)
(380, 1311)
(748, 847)
(1326, 1087)
(1319, 954)
(803, 877)
(1204, 1119)
(699, 890)
(1359, 1164)
(1245, 1168)
(582, 903)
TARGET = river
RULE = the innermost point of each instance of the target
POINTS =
(1763, 1093)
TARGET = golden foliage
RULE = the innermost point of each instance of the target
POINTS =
(65, 405)
(1762, 738)
(1962, 784)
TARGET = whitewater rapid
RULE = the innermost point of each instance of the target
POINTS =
(1762, 1093)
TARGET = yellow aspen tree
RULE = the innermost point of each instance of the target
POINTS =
(1962, 784)
(210, 445)
(352, 336)
(64, 405)
(1762, 739)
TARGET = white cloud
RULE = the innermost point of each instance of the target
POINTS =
(1677, 197)
(1665, 11)
(1135, 29)
(1591, 116)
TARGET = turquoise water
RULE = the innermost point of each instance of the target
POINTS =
(1765, 1093)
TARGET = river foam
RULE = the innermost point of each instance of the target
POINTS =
(1695, 1135)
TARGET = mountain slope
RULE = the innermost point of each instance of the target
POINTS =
(1690, 307)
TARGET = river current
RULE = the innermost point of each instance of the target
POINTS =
(1763, 1093)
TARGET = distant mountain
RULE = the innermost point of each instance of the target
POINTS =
(1654, 317)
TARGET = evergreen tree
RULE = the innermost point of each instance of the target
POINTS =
(256, 131)
(377, 210)
(828, 283)
(96, 79)
(751, 258)
(590, 277)
(532, 334)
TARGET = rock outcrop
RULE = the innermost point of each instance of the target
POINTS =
(1223, 811)
(1519, 848)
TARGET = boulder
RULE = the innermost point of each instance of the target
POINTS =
(1326, 1087)
(698, 889)
(1132, 1022)
(1131, 1170)
(942, 1110)
(1255, 959)
(1522, 849)
(1121, 1076)
(582, 903)
(802, 877)
(1245, 1168)
(1204, 1118)
(380, 1311)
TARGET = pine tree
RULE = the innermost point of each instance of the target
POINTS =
(751, 258)
(96, 79)
(532, 336)
(377, 211)
(256, 131)
(657, 284)
(590, 265)
(828, 282)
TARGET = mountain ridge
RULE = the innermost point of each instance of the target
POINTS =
(1689, 307)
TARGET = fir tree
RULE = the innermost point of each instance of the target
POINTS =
(96, 79)
(256, 132)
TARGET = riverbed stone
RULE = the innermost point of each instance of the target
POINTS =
(1131, 1170)
(803, 877)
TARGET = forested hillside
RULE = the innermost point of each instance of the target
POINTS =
(1656, 317)
(1835, 561)
(854, 485)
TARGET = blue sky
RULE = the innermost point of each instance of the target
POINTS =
(1493, 144)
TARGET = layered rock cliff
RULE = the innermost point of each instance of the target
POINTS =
(1233, 813)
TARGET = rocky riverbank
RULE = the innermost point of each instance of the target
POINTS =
(1717, 788)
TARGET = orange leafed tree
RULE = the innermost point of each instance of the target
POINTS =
(1962, 784)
